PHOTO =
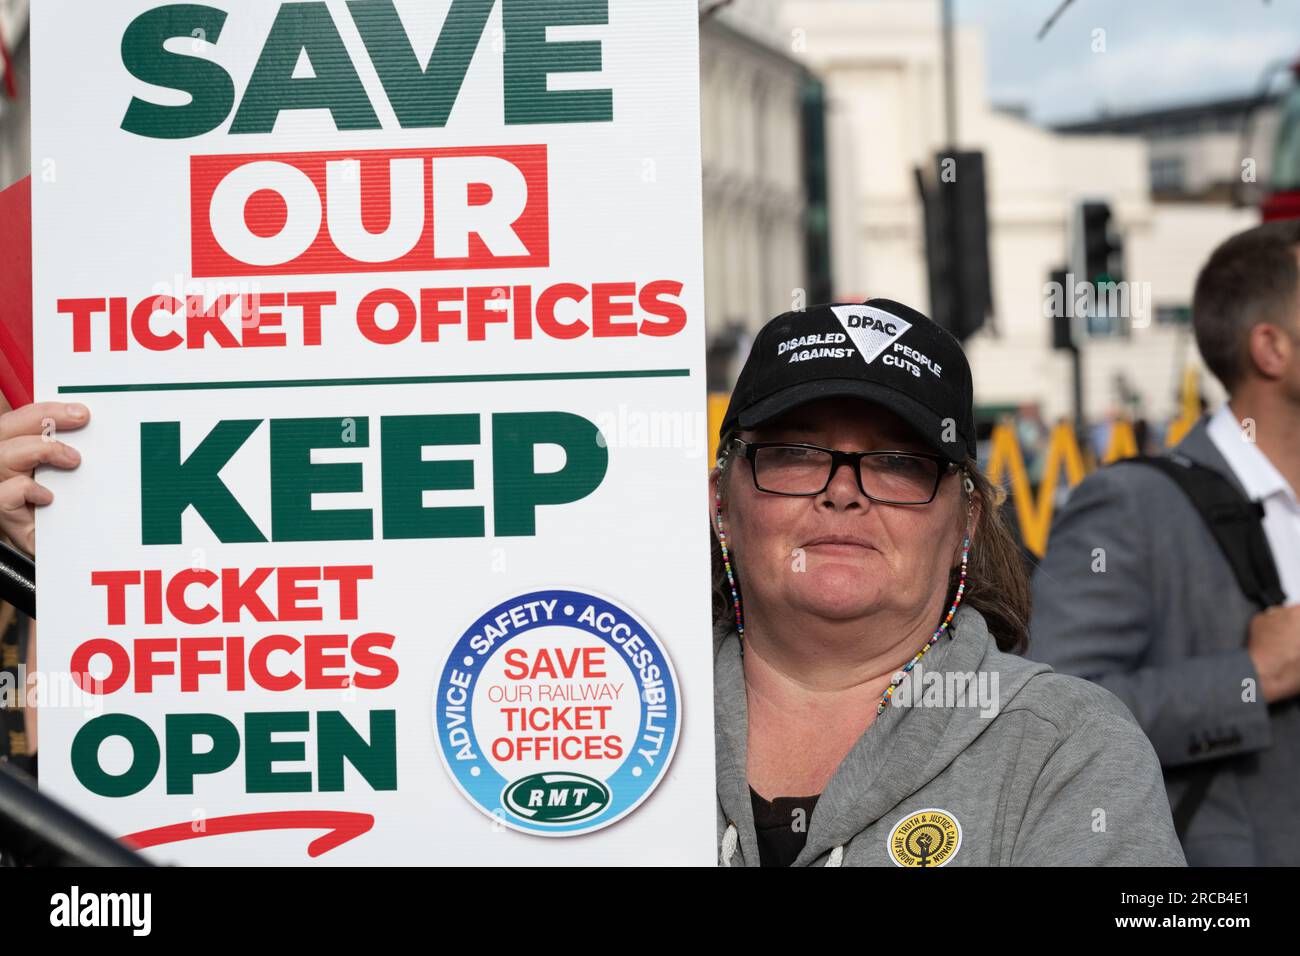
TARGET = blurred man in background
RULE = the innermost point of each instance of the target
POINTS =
(1175, 583)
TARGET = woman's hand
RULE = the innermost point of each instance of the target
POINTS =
(27, 439)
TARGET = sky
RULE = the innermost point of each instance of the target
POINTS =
(1156, 52)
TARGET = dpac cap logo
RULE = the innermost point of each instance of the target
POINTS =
(872, 330)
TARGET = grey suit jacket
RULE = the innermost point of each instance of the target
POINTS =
(1135, 594)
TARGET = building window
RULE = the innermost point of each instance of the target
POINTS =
(1167, 174)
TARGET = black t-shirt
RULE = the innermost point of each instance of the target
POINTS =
(781, 826)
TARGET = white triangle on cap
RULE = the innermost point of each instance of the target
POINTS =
(871, 341)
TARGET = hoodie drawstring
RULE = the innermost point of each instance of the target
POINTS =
(730, 839)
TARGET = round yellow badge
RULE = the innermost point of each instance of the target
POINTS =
(926, 838)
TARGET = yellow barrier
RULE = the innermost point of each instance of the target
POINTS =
(717, 409)
(1006, 460)
(1034, 514)
(1181, 425)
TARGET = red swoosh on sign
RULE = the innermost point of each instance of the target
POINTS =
(342, 827)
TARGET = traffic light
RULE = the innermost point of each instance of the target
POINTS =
(1103, 250)
(957, 242)
(1101, 255)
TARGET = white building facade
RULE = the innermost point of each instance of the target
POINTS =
(755, 205)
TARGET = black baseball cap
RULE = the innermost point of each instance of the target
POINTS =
(879, 350)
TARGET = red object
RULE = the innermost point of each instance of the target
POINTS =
(1280, 205)
(264, 212)
(16, 293)
(341, 826)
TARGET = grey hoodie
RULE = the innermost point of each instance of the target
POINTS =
(1041, 769)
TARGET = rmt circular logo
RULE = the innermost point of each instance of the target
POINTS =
(557, 712)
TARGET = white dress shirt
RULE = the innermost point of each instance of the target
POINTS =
(1263, 482)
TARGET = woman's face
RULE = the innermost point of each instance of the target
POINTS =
(899, 556)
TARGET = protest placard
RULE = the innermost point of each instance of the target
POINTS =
(388, 542)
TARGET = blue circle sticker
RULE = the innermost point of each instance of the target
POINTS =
(557, 712)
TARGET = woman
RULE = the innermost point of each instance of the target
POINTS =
(870, 704)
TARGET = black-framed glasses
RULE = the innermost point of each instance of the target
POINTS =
(888, 477)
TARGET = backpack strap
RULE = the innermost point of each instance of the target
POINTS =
(1235, 521)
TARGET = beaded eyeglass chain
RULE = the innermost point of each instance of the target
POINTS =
(907, 668)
